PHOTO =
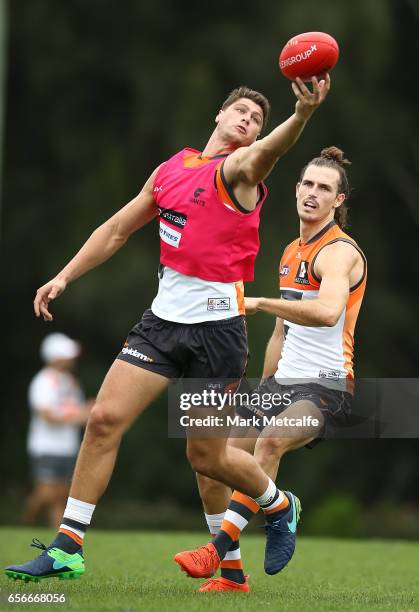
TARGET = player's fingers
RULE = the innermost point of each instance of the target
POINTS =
(315, 83)
(325, 86)
(297, 91)
(36, 306)
(38, 302)
(53, 293)
(303, 87)
(325, 83)
(47, 316)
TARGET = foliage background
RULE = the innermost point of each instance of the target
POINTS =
(98, 94)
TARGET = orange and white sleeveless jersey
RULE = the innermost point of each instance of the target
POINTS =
(317, 352)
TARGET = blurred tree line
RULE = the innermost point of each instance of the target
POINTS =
(98, 94)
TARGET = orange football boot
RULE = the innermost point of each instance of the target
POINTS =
(200, 563)
(224, 584)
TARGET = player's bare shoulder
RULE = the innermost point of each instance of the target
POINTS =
(149, 184)
(232, 165)
(341, 257)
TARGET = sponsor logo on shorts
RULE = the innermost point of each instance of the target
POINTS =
(218, 304)
(134, 353)
(173, 217)
(169, 235)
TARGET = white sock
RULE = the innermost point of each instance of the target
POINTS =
(271, 497)
(214, 522)
(79, 511)
(77, 516)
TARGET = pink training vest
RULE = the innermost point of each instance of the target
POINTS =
(199, 235)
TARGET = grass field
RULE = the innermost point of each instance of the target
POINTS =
(129, 571)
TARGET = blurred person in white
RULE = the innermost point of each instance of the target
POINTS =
(58, 410)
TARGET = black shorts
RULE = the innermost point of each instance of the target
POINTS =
(209, 350)
(46, 468)
(336, 406)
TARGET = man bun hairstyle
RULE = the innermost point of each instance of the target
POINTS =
(333, 157)
(250, 94)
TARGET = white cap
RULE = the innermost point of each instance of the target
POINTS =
(59, 346)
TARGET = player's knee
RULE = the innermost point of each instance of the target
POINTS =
(202, 460)
(102, 421)
(273, 447)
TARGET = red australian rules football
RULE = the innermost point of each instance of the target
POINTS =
(307, 55)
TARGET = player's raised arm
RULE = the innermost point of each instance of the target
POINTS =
(335, 264)
(100, 246)
(254, 163)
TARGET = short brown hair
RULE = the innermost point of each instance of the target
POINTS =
(251, 94)
(332, 157)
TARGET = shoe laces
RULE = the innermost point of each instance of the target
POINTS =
(205, 556)
(38, 544)
(209, 581)
(275, 525)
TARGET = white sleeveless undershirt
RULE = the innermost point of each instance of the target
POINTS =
(188, 299)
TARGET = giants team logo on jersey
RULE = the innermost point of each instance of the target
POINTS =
(302, 274)
(197, 197)
(284, 270)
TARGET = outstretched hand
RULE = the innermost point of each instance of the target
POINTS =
(308, 101)
(45, 294)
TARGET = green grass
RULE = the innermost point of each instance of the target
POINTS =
(134, 571)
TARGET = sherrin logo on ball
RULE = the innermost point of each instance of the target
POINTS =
(307, 55)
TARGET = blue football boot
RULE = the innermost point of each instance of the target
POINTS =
(52, 562)
(280, 536)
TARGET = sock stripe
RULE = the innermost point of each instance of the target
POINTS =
(272, 502)
(71, 535)
(230, 529)
(72, 523)
(241, 509)
(281, 506)
(237, 564)
(245, 501)
(232, 555)
(236, 518)
(214, 517)
(235, 546)
(78, 533)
